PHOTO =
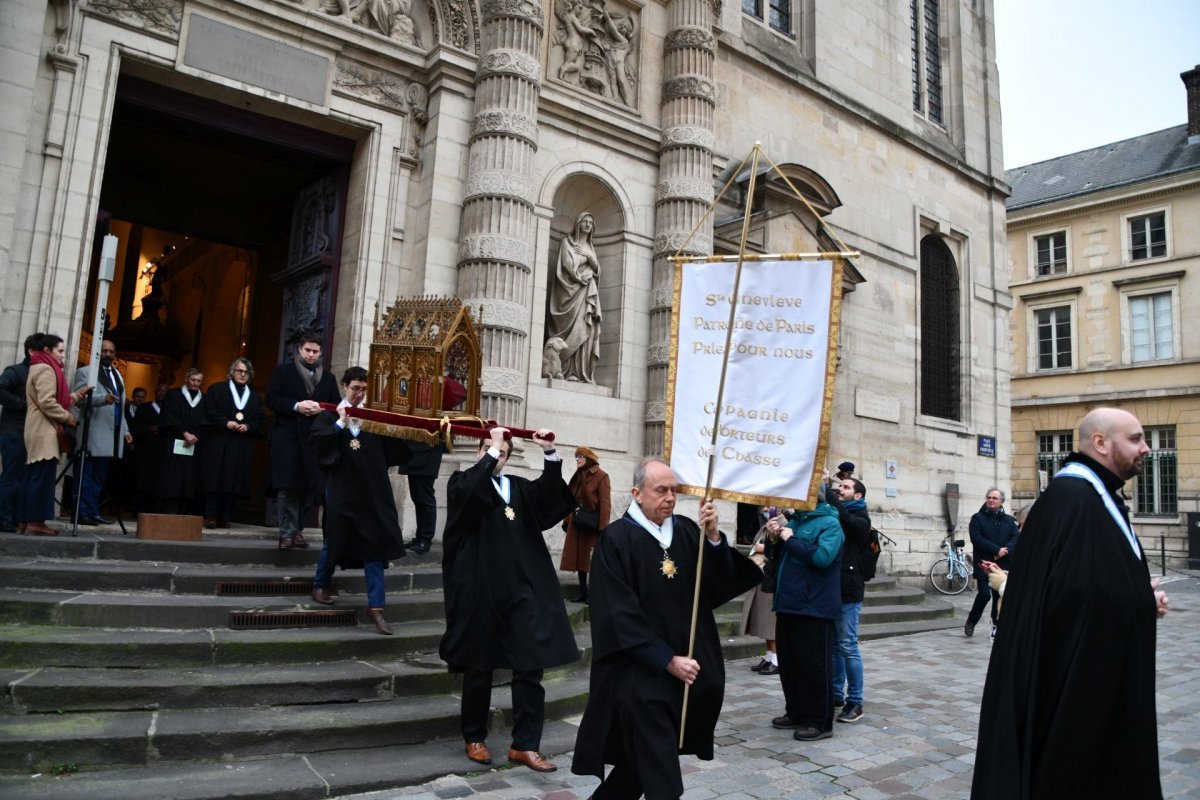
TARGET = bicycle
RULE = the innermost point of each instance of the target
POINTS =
(950, 575)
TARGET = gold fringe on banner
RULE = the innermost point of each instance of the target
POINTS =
(430, 438)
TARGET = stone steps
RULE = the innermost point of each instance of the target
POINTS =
(130, 738)
(118, 576)
(287, 777)
(117, 659)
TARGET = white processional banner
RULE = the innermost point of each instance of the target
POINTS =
(773, 420)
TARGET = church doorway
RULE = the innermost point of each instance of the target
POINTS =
(229, 225)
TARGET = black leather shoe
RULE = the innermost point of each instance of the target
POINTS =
(785, 723)
(769, 669)
(89, 521)
(810, 733)
(759, 666)
(417, 546)
(102, 521)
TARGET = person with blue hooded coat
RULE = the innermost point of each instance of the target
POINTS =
(808, 603)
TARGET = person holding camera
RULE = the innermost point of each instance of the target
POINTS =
(593, 492)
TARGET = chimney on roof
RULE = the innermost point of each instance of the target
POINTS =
(1191, 80)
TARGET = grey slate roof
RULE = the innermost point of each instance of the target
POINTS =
(1142, 158)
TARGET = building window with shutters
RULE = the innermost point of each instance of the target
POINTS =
(941, 394)
(1156, 493)
(926, 59)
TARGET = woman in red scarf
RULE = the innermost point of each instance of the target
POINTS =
(49, 400)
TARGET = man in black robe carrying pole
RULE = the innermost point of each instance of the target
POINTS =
(1068, 707)
(362, 526)
(504, 603)
(642, 586)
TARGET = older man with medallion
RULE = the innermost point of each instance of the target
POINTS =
(643, 582)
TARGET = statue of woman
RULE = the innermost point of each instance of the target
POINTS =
(575, 303)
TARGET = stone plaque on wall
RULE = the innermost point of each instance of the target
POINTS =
(258, 60)
(876, 406)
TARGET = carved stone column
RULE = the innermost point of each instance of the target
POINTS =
(685, 186)
(495, 255)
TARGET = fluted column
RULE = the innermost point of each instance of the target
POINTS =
(495, 255)
(685, 186)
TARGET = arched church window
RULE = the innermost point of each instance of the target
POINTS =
(940, 336)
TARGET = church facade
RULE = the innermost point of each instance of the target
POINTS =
(271, 166)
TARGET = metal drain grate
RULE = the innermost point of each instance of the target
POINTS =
(285, 587)
(267, 620)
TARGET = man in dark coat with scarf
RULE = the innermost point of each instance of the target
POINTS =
(642, 588)
(294, 394)
(993, 537)
(1068, 706)
(504, 604)
(362, 527)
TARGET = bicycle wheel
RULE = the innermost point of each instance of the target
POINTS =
(947, 578)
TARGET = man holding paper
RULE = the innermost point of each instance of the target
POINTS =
(179, 425)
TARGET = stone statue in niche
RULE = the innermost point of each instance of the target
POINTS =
(573, 324)
(597, 46)
(392, 18)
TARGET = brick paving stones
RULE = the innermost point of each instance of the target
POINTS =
(916, 740)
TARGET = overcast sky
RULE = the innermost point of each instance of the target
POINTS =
(1077, 74)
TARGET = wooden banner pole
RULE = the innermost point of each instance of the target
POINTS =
(712, 456)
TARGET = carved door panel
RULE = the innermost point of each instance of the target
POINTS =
(309, 281)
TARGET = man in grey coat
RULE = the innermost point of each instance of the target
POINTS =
(107, 432)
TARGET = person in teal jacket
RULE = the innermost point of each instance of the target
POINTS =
(808, 600)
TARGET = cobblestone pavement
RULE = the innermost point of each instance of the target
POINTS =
(916, 740)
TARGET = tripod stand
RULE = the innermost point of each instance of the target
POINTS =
(78, 458)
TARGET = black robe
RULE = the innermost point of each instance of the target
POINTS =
(293, 463)
(148, 445)
(504, 603)
(361, 522)
(640, 620)
(180, 476)
(1068, 707)
(226, 455)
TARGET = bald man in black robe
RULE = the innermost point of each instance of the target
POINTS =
(1068, 707)
(643, 582)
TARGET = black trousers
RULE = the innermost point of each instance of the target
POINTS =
(805, 646)
(420, 488)
(623, 782)
(983, 593)
(529, 707)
